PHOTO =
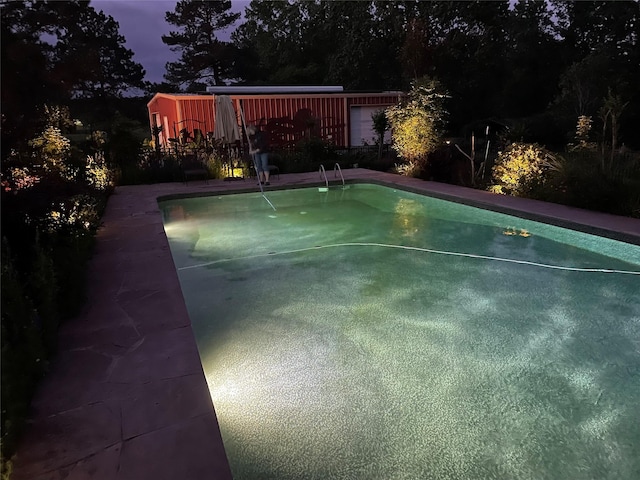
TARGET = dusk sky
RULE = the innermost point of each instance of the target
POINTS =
(142, 24)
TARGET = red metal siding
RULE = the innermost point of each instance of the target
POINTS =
(287, 117)
(196, 113)
(166, 108)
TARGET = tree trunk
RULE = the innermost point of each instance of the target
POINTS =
(471, 158)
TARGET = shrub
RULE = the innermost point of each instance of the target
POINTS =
(413, 137)
(23, 354)
(73, 215)
(307, 156)
(579, 179)
(520, 169)
(97, 172)
(416, 123)
(52, 149)
(53, 196)
(412, 168)
(49, 221)
(42, 282)
(215, 166)
(19, 178)
(150, 167)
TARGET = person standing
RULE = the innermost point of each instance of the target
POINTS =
(259, 148)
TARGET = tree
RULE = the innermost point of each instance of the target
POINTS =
(317, 42)
(90, 54)
(279, 45)
(416, 53)
(583, 84)
(417, 123)
(600, 42)
(25, 75)
(610, 112)
(204, 59)
(467, 43)
(533, 56)
(358, 56)
(391, 20)
(502, 59)
(588, 26)
(380, 126)
(55, 51)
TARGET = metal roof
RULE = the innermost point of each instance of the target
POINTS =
(228, 90)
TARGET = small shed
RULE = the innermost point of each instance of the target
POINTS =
(288, 114)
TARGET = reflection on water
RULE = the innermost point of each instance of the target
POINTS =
(366, 361)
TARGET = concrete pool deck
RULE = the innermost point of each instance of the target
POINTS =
(126, 397)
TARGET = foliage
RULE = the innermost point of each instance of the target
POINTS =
(601, 52)
(411, 168)
(124, 141)
(52, 202)
(19, 178)
(578, 178)
(583, 131)
(26, 79)
(43, 285)
(416, 53)
(53, 52)
(317, 42)
(504, 60)
(380, 126)
(89, 53)
(272, 42)
(54, 189)
(307, 156)
(152, 166)
(51, 148)
(413, 136)
(360, 55)
(148, 167)
(520, 168)
(98, 174)
(532, 60)
(583, 85)
(57, 116)
(215, 166)
(74, 215)
(590, 26)
(610, 113)
(83, 53)
(417, 122)
(204, 58)
(315, 149)
(23, 354)
(380, 123)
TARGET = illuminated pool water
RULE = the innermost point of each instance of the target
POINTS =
(369, 333)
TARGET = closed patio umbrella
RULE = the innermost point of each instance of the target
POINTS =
(225, 127)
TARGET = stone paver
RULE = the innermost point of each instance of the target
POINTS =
(126, 396)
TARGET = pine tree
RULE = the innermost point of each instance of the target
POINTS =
(204, 60)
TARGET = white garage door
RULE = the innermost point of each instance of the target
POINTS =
(362, 127)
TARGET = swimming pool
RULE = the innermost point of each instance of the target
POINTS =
(369, 333)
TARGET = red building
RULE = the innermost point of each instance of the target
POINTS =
(288, 114)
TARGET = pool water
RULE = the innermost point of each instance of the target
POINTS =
(372, 333)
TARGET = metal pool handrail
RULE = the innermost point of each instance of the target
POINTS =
(336, 170)
(323, 174)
